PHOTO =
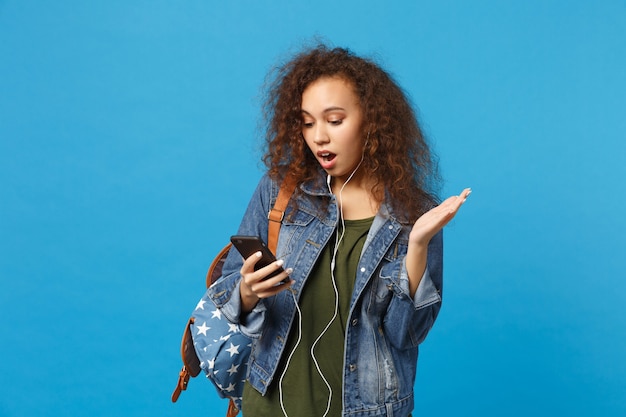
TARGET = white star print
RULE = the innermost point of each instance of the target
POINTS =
(200, 305)
(233, 369)
(211, 363)
(233, 350)
(230, 387)
(202, 329)
(217, 313)
(233, 328)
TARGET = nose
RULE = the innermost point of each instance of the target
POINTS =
(320, 134)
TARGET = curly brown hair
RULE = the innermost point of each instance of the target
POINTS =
(397, 156)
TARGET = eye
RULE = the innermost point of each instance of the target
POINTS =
(335, 122)
(307, 124)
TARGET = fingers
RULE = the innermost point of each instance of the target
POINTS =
(455, 202)
(266, 281)
(462, 198)
(464, 194)
(265, 289)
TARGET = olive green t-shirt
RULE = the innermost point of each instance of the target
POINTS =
(304, 392)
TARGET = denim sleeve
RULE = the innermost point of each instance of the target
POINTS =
(225, 291)
(408, 320)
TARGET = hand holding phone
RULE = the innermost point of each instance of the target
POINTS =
(249, 245)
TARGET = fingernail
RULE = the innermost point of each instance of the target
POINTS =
(289, 271)
(280, 262)
(258, 254)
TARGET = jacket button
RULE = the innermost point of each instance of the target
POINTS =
(355, 321)
(352, 367)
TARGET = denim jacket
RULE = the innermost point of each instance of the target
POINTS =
(385, 324)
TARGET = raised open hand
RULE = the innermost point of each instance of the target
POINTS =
(431, 222)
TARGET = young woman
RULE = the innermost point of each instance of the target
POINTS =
(361, 245)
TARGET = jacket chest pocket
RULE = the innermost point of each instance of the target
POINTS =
(293, 231)
(390, 271)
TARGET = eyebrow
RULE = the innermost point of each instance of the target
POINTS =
(328, 110)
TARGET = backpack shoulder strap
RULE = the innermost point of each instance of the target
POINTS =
(277, 213)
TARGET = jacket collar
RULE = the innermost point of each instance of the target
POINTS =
(318, 187)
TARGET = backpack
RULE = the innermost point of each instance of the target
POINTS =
(219, 348)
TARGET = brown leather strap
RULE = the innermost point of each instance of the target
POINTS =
(215, 270)
(276, 214)
(188, 352)
(183, 379)
(191, 363)
(232, 410)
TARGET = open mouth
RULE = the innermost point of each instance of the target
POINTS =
(326, 156)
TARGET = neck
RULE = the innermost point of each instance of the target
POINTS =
(355, 196)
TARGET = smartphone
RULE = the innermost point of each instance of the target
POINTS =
(248, 245)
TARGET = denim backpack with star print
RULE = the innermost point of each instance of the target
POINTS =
(213, 344)
(222, 350)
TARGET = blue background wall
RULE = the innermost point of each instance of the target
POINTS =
(129, 147)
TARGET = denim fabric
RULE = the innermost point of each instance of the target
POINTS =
(385, 325)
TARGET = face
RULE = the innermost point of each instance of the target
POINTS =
(332, 125)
